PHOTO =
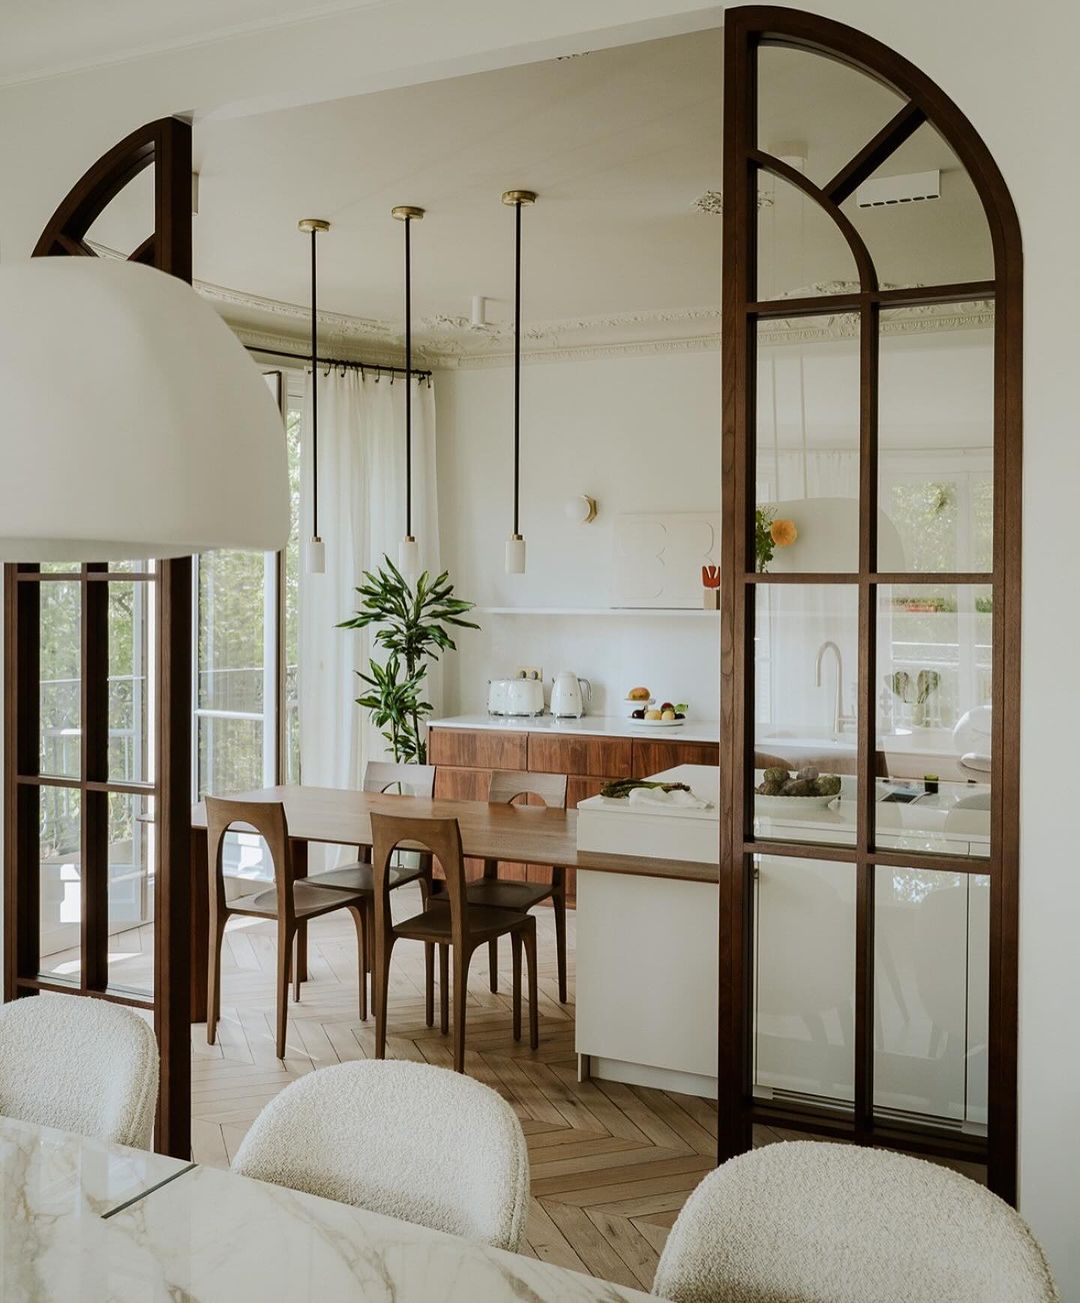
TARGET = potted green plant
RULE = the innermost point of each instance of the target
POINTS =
(411, 625)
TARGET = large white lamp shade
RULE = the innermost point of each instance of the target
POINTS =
(135, 425)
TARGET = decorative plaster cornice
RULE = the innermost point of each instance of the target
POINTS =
(451, 342)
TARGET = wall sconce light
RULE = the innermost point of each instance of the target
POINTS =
(581, 509)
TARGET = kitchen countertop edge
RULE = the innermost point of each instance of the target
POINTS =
(588, 726)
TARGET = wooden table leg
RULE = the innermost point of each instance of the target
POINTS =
(300, 870)
(200, 923)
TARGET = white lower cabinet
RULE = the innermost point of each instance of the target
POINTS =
(930, 984)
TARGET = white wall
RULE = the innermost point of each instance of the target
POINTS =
(638, 433)
(1011, 67)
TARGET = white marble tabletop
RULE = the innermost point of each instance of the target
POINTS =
(101, 1224)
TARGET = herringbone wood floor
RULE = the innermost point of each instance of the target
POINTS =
(611, 1165)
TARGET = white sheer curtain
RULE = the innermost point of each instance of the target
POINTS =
(361, 518)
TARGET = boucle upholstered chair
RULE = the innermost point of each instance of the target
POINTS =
(79, 1064)
(806, 1221)
(408, 1140)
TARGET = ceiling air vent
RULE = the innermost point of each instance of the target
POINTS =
(910, 189)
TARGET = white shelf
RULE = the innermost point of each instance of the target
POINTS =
(595, 610)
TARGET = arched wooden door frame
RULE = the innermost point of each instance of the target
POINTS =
(746, 30)
(166, 146)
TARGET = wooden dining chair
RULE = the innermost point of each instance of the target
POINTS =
(382, 777)
(455, 925)
(290, 901)
(506, 787)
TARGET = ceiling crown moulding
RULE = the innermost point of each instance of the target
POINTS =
(443, 341)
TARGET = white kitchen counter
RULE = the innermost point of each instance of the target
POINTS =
(692, 730)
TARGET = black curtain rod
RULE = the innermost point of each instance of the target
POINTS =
(339, 362)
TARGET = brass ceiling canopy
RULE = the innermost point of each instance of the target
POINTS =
(312, 224)
(519, 197)
(407, 212)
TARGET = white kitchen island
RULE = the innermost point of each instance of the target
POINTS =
(647, 959)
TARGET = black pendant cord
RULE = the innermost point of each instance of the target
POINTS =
(408, 380)
(314, 394)
(517, 363)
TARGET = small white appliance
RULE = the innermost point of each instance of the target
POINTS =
(498, 696)
(570, 696)
(524, 697)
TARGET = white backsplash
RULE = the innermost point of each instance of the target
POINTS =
(677, 657)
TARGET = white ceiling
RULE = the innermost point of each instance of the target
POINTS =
(42, 38)
(618, 143)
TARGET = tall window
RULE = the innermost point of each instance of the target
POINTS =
(245, 663)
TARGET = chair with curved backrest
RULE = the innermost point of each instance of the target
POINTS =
(386, 778)
(804, 1221)
(506, 788)
(408, 1140)
(454, 924)
(290, 901)
(79, 1064)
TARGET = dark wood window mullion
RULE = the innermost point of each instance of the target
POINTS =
(94, 766)
(734, 1129)
(22, 756)
(866, 768)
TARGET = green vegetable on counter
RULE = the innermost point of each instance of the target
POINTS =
(622, 787)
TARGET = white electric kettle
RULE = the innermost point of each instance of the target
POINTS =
(570, 696)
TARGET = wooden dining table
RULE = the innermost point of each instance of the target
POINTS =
(337, 816)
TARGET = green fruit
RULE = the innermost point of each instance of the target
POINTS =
(828, 785)
(776, 775)
(772, 788)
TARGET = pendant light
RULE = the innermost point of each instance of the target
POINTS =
(408, 551)
(515, 544)
(316, 549)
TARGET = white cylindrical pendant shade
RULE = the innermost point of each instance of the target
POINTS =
(515, 555)
(135, 424)
(409, 557)
(316, 556)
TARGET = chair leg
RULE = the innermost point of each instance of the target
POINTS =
(529, 938)
(515, 949)
(296, 967)
(558, 903)
(381, 983)
(213, 978)
(493, 964)
(429, 983)
(444, 989)
(461, 977)
(284, 957)
(359, 913)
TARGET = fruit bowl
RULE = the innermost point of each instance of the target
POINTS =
(657, 723)
(791, 804)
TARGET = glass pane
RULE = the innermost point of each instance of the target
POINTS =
(923, 241)
(819, 109)
(936, 439)
(801, 250)
(931, 959)
(808, 443)
(230, 755)
(231, 631)
(933, 729)
(805, 725)
(61, 876)
(291, 692)
(131, 893)
(131, 680)
(804, 1003)
(61, 679)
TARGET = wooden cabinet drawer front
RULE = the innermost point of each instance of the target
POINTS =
(655, 757)
(579, 789)
(455, 784)
(579, 755)
(477, 748)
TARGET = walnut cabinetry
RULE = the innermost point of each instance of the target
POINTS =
(465, 757)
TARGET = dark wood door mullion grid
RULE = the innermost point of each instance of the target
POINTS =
(746, 30)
